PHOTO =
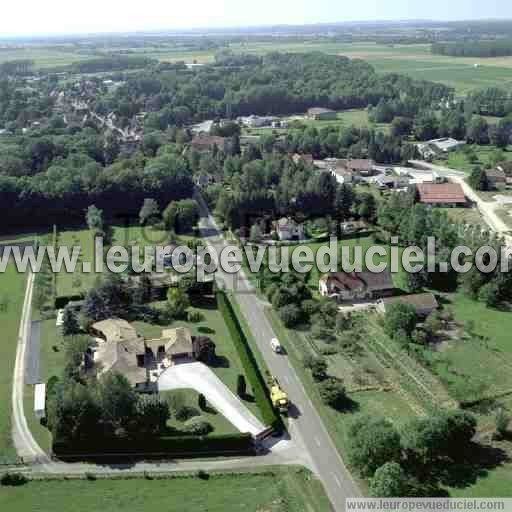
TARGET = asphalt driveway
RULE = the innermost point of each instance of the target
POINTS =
(197, 376)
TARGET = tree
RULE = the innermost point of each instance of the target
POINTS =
(389, 481)
(241, 386)
(151, 415)
(201, 402)
(291, 315)
(401, 126)
(70, 323)
(373, 442)
(118, 401)
(502, 420)
(477, 132)
(478, 179)
(318, 367)
(73, 412)
(177, 303)
(400, 317)
(443, 434)
(181, 216)
(150, 212)
(94, 219)
(332, 393)
(255, 234)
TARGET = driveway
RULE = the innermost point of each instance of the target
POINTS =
(197, 376)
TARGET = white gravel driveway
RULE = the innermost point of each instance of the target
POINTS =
(197, 376)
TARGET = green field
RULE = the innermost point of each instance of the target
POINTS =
(279, 490)
(12, 289)
(44, 57)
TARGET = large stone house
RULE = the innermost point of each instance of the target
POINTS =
(355, 286)
(120, 349)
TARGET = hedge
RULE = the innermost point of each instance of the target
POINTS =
(253, 374)
(151, 448)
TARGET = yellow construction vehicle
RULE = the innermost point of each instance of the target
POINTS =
(279, 397)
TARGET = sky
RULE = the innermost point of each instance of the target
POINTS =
(35, 17)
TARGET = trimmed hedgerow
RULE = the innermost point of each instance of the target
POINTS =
(253, 374)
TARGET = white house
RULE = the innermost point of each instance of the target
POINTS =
(288, 229)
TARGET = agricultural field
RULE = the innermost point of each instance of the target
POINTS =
(275, 490)
(12, 292)
(44, 57)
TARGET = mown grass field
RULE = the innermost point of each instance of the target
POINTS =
(280, 490)
(12, 289)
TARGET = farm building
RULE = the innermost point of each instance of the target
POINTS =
(322, 114)
(423, 303)
(443, 195)
(347, 286)
(438, 147)
(204, 143)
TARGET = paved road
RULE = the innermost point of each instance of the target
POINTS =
(197, 376)
(306, 427)
(33, 354)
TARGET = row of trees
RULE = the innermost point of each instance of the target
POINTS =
(494, 48)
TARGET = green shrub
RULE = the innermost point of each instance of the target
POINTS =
(13, 479)
(197, 426)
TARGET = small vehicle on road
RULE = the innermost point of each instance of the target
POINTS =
(276, 346)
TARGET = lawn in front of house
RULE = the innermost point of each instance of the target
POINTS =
(189, 398)
(273, 490)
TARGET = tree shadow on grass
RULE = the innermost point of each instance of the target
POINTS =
(220, 362)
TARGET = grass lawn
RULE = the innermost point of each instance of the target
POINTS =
(12, 289)
(279, 490)
(189, 398)
(481, 366)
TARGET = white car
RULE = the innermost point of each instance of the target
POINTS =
(276, 346)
